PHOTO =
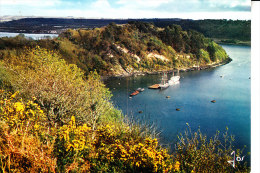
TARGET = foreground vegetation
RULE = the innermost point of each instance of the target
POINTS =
(126, 49)
(54, 119)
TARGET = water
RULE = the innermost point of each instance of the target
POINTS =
(193, 97)
(29, 36)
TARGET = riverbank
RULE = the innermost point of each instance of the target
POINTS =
(232, 42)
(186, 69)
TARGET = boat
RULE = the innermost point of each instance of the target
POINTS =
(134, 93)
(164, 84)
(140, 89)
(155, 86)
(174, 79)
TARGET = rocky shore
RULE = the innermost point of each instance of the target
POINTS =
(193, 68)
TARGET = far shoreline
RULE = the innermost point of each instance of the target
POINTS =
(186, 69)
(231, 42)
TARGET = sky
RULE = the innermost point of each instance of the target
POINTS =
(187, 9)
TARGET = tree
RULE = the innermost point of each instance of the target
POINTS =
(211, 50)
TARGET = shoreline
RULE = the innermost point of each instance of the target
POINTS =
(194, 68)
(232, 42)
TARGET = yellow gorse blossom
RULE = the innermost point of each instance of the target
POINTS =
(19, 107)
(14, 95)
(18, 114)
(177, 166)
(75, 136)
(142, 154)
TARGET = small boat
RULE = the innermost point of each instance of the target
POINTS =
(155, 86)
(134, 93)
(174, 79)
(140, 89)
(164, 84)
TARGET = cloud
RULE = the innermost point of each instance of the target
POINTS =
(206, 5)
(30, 3)
(193, 9)
(100, 4)
(142, 3)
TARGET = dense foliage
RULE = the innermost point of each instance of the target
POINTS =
(59, 88)
(125, 49)
(236, 30)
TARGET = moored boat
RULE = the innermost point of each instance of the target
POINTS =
(140, 89)
(174, 80)
(155, 86)
(164, 84)
(134, 93)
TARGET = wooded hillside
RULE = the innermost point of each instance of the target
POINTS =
(129, 48)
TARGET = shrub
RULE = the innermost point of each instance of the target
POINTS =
(24, 142)
(60, 88)
(197, 154)
(112, 148)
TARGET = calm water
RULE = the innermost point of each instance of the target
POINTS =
(27, 35)
(193, 96)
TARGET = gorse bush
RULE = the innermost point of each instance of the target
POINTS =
(25, 145)
(59, 88)
(113, 149)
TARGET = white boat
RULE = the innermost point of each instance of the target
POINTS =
(164, 84)
(174, 80)
(140, 89)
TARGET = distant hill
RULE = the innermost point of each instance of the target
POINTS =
(128, 48)
(227, 30)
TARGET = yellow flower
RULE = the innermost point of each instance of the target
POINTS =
(19, 107)
(36, 126)
(177, 166)
(14, 95)
(72, 118)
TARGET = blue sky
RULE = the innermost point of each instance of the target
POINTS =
(192, 9)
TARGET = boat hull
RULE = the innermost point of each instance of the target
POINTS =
(155, 86)
(164, 86)
(134, 93)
